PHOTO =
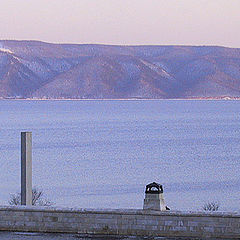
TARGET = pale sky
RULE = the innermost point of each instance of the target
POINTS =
(131, 22)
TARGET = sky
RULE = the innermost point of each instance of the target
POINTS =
(125, 22)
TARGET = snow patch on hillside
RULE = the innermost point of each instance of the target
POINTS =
(6, 50)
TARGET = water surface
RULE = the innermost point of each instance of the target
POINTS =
(101, 154)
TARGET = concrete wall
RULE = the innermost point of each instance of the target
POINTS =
(123, 222)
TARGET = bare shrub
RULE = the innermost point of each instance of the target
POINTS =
(211, 206)
(15, 199)
(37, 198)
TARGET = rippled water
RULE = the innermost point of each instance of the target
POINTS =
(101, 154)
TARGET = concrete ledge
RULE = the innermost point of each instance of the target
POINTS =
(120, 222)
(117, 211)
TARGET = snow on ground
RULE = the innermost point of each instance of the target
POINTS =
(6, 50)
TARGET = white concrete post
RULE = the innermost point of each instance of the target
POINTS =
(26, 168)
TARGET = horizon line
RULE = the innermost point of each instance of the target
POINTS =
(118, 44)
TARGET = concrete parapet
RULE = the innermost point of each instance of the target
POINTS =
(120, 222)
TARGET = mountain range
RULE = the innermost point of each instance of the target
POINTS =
(34, 69)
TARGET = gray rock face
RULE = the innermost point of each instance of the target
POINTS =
(32, 69)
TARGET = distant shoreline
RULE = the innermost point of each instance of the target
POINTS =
(118, 99)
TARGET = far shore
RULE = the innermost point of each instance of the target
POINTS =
(120, 99)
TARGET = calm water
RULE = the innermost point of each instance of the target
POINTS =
(101, 154)
(42, 236)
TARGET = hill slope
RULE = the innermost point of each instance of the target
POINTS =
(32, 69)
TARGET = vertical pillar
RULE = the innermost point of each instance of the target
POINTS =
(154, 199)
(26, 168)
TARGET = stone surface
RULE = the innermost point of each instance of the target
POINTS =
(154, 201)
(120, 222)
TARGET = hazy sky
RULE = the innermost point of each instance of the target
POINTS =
(191, 22)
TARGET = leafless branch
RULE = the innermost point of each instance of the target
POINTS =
(37, 198)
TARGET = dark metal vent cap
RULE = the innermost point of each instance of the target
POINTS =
(154, 188)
